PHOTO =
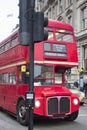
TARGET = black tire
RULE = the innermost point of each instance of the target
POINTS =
(22, 114)
(81, 103)
(73, 116)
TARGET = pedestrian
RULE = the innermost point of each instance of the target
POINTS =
(85, 89)
(76, 84)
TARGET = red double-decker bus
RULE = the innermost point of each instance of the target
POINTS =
(52, 58)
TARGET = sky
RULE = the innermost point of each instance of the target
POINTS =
(9, 12)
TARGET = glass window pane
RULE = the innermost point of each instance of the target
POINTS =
(1, 49)
(58, 78)
(14, 41)
(12, 78)
(47, 47)
(50, 35)
(43, 75)
(59, 48)
(5, 78)
(84, 17)
(1, 79)
(64, 37)
(7, 46)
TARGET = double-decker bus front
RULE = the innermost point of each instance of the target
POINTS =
(52, 58)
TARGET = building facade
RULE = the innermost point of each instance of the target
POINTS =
(73, 12)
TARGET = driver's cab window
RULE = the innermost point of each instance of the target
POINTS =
(58, 78)
(59, 75)
(43, 75)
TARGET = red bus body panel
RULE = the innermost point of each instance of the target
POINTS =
(11, 94)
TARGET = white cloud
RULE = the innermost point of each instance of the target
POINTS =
(9, 12)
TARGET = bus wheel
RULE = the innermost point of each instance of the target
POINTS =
(22, 114)
(73, 116)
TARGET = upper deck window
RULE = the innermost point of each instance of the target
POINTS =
(14, 41)
(50, 33)
(7, 46)
(1, 49)
(50, 36)
(64, 35)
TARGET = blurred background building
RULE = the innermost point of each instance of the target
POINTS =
(73, 12)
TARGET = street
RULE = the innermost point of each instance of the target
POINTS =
(8, 122)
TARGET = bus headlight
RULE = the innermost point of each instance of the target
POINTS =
(37, 103)
(75, 101)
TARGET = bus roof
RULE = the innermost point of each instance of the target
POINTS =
(51, 23)
(59, 24)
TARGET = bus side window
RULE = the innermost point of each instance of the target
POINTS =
(1, 79)
(5, 78)
(12, 78)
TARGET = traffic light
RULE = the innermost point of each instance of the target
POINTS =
(27, 15)
(39, 32)
(23, 23)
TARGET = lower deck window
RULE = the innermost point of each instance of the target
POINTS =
(47, 75)
(43, 75)
(8, 78)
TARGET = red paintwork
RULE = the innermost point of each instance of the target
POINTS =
(71, 47)
(43, 93)
(10, 94)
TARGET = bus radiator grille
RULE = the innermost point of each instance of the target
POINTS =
(52, 106)
(58, 105)
(64, 105)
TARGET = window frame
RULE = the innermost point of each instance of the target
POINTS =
(83, 18)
